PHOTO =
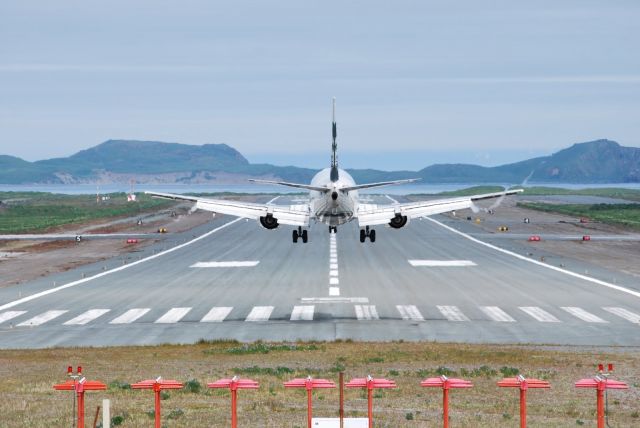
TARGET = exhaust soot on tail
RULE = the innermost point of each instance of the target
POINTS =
(334, 147)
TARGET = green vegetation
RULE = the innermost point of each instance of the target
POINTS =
(23, 212)
(265, 348)
(617, 214)
(607, 192)
(476, 190)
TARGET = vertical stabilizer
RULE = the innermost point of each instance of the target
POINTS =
(334, 146)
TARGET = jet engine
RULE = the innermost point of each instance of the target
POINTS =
(269, 221)
(398, 221)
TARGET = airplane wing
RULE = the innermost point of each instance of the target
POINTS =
(295, 215)
(369, 215)
(296, 185)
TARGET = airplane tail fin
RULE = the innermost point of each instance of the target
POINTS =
(334, 146)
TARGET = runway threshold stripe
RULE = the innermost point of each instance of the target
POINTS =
(334, 291)
(173, 315)
(250, 263)
(6, 316)
(302, 313)
(496, 314)
(87, 317)
(452, 313)
(409, 312)
(366, 312)
(538, 314)
(623, 313)
(118, 269)
(441, 263)
(259, 313)
(217, 314)
(582, 314)
(536, 262)
(42, 318)
(130, 316)
(334, 281)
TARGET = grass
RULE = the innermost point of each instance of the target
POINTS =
(23, 212)
(30, 401)
(617, 214)
(610, 192)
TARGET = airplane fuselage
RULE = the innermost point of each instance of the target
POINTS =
(334, 207)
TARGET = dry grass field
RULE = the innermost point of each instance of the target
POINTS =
(28, 398)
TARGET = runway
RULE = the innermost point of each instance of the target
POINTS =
(232, 279)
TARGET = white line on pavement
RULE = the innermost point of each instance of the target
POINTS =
(452, 313)
(623, 313)
(225, 264)
(87, 317)
(496, 314)
(302, 313)
(10, 315)
(334, 291)
(582, 314)
(42, 318)
(173, 315)
(410, 312)
(130, 316)
(366, 312)
(518, 256)
(538, 314)
(259, 313)
(118, 269)
(217, 314)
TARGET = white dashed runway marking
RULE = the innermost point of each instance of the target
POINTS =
(42, 318)
(623, 313)
(130, 316)
(302, 313)
(225, 264)
(410, 312)
(173, 315)
(87, 317)
(217, 314)
(10, 315)
(539, 314)
(452, 313)
(366, 312)
(259, 313)
(496, 314)
(582, 314)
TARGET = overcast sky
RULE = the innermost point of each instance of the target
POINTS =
(416, 82)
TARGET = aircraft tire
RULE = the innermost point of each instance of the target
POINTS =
(363, 235)
(295, 236)
(305, 236)
(372, 236)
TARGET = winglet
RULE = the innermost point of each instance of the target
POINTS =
(334, 145)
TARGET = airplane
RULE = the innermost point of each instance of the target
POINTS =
(333, 200)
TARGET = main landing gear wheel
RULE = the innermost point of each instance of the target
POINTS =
(364, 233)
(299, 233)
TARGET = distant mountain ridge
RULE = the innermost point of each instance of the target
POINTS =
(119, 161)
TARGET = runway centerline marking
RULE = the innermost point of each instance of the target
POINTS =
(251, 263)
(130, 316)
(118, 269)
(86, 317)
(536, 262)
(42, 318)
(10, 315)
(217, 314)
(334, 291)
(441, 263)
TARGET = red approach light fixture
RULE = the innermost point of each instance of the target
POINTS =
(234, 384)
(309, 384)
(523, 384)
(157, 385)
(79, 385)
(601, 383)
(446, 384)
(371, 384)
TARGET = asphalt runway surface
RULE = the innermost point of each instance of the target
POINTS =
(232, 279)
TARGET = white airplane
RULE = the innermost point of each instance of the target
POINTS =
(333, 200)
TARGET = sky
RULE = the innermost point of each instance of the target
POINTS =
(416, 82)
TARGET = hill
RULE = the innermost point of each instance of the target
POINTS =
(600, 161)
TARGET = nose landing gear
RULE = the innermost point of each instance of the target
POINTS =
(364, 233)
(333, 229)
(299, 233)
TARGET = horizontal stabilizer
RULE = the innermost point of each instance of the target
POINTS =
(379, 184)
(297, 185)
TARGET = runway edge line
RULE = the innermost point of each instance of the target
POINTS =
(118, 269)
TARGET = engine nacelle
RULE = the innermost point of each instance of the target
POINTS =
(399, 221)
(269, 221)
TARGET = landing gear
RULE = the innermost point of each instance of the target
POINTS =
(299, 233)
(364, 233)
(333, 229)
